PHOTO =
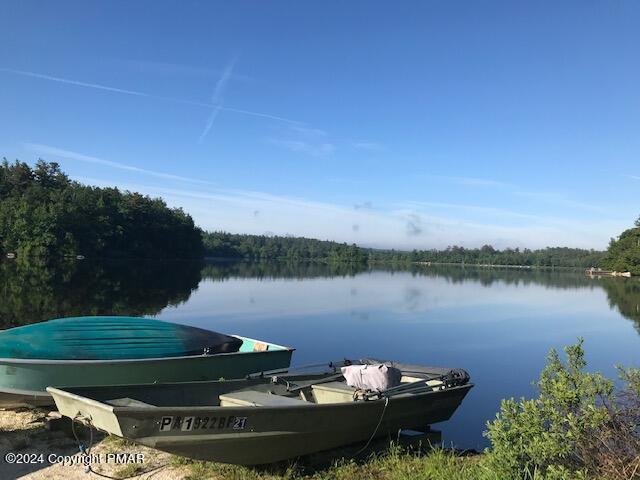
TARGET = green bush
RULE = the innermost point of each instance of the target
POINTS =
(579, 427)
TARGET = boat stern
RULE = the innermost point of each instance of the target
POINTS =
(86, 411)
(254, 345)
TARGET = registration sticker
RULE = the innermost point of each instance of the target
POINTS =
(239, 423)
(188, 424)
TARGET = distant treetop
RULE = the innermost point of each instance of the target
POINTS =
(44, 213)
(623, 254)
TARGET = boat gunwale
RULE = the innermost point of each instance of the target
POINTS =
(158, 410)
(40, 394)
(85, 400)
(280, 348)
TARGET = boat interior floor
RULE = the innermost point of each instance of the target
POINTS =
(284, 392)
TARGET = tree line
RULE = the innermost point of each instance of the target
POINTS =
(488, 255)
(623, 254)
(263, 247)
(43, 213)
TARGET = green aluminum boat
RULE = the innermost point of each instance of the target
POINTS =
(268, 417)
(84, 351)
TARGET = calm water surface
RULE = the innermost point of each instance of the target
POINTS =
(496, 324)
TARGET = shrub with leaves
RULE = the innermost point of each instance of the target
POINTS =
(573, 429)
(614, 451)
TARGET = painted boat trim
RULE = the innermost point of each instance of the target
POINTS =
(204, 408)
(279, 348)
(26, 393)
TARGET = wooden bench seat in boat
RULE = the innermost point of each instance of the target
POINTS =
(128, 402)
(431, 383)
(340, 392)
(253, 398)
(333, 392)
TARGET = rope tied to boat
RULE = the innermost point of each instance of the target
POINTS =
(384, 409)
(87, 451)
(81, 447)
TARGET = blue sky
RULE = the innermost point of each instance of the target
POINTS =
(405, 125)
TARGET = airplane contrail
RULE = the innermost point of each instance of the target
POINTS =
(216, 98)
(123, 91)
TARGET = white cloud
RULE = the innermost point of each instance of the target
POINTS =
(551, 198)
(368, 204)
(308, 131)
(300, 146)
(481, 210)
(560, 199)
(233, 210)
(304, 139)
(368, 146)
(410, 226)
(472, 181)
(53, 153)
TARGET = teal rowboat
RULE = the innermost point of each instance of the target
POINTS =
(110, 338)
(88, 351)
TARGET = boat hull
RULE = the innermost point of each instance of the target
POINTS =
(111, 338)
(24, 382)
(250, 435)
(308, 431)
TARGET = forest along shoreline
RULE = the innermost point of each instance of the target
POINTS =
(45, 214)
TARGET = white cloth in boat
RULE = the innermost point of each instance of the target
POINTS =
(378, 377)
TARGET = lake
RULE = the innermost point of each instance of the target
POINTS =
(498, 324)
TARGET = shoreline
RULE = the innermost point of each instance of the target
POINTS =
(30, 451)
(53, 454)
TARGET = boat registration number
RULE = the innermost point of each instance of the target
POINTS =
(187, 424)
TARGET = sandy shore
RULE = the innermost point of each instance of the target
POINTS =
(24, 435)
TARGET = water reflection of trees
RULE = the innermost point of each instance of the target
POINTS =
(624, 293)
(554, 278)
(31, 291)
(272, 270)
(559, 278)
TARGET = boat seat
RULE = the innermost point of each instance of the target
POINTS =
(333, 392)
(431, 383)
(128, 402)
(253, 398)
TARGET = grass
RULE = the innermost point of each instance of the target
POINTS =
(115, 444)
(129, 470)
(395, 464)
